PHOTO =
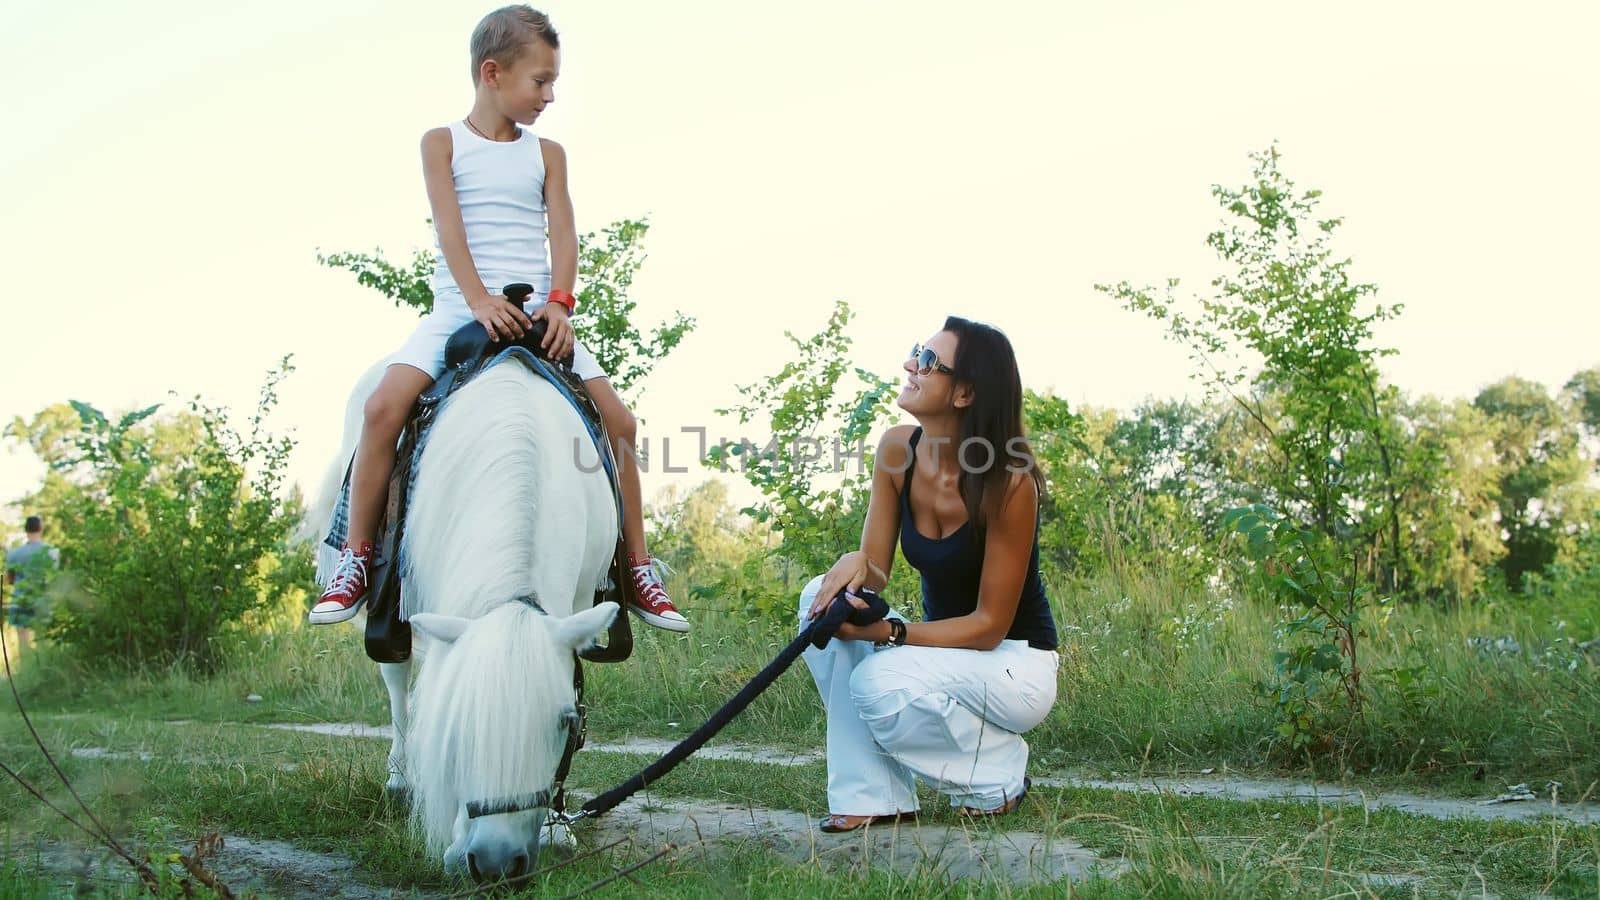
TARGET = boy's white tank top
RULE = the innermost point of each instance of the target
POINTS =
(500, 187)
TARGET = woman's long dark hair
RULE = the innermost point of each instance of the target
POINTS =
(993, 444)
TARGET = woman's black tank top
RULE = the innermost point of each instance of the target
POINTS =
(951, 568)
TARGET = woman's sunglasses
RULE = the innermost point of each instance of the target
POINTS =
(928, 361)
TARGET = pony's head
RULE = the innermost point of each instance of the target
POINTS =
(490, 722)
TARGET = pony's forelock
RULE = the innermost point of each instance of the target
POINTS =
(467, 709)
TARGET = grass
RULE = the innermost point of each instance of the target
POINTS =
(1139, 691)
(202, 778)
(1157, 677)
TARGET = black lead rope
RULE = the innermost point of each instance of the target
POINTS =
(821, 630)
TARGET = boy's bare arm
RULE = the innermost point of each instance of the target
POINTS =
(563, 233)
(559, 217)
(501, 319)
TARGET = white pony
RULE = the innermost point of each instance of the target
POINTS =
(507, 504)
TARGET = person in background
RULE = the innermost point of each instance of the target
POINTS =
(27, 570)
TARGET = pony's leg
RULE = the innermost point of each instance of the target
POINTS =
(395, 676)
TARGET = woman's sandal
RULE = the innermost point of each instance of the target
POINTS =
(839, 824)
(1006, 808)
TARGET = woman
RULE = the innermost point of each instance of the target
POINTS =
(945, 699)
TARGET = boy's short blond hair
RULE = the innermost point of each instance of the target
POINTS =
(504, 33)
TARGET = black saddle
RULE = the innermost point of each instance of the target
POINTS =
(469, 350)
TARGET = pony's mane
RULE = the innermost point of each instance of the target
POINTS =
(491, 439)
(469, 709)
(499, 512)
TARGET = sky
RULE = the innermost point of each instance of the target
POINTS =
(170, 170)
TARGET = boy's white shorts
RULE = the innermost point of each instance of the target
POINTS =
(425, 348)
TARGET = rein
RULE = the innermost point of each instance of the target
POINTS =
(818, 633)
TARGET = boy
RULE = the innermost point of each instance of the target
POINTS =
(495, 190)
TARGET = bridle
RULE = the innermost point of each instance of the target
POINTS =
(555, 796)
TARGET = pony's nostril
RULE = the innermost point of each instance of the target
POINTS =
(519, 866)
(472, 867)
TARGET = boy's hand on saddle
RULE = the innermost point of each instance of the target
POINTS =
(558, 336)
(500, 317)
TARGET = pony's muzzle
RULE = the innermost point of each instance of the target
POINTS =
(487, 865)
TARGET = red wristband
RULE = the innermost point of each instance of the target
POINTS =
(564, 299)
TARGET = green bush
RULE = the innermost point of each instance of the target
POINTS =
(815, 471)
(170, 526)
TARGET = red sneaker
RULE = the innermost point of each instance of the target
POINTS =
(653, 605)
(347, 589)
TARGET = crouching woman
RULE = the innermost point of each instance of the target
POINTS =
(946, 699)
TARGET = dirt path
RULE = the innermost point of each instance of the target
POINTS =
(773, 756)
(1228, 787)
(270, 868)
(1232, 787)
(705, 829)
(953, 852)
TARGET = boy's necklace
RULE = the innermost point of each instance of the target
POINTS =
(478, 131)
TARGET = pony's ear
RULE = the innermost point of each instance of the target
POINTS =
(444, 629)
(582, 630)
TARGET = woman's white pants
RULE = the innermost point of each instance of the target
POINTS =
(953, 718)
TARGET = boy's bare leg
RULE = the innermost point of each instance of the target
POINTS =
(656, 608)
(624, 430)
(385, 415)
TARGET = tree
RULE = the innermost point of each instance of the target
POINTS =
(1582, 391)
(1168, 464)
(815, 471)
(1288, 337)
(700, 531)
(1542, 488)
(1132, 489)
(726, 561)
(1074, 490)
(1448, 477)
(607, 264)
